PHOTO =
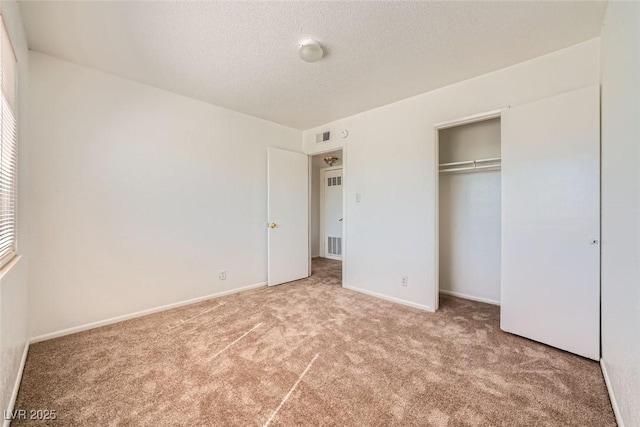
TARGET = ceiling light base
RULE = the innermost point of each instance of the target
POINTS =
(310, 50)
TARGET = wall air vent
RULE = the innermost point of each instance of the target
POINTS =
(323, 137)
(335, 246)
(334, 180)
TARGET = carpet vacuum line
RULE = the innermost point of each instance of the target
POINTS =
(292, 389)
(182, 322)
(235, 341)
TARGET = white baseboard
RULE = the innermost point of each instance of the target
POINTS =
(124, 317)
(612, 397)
(16, 385)
(388, 298)
(471, 297)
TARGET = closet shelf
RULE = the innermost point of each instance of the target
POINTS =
(471, 165)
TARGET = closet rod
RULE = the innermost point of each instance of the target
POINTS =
(470, 168)
(493, 159)
(471, 162)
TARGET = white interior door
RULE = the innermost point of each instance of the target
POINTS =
(551, 221)
(288, 211)
(332, 213)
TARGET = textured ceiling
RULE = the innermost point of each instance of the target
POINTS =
(242, 55)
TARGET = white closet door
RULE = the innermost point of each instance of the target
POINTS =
(551, 221)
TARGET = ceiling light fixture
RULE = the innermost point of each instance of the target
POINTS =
(330, 160)
(310, 50)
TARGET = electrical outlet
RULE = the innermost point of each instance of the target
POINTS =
(222, 275)
(405, 281)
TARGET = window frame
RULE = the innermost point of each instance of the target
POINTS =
(12, 253)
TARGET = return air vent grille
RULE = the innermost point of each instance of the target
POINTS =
(334, 180)
(334, 246)
(323, 137)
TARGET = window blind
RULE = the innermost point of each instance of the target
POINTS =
(8, 149)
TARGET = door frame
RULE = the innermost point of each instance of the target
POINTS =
(323, 246)
(344, 205)
(493, 114)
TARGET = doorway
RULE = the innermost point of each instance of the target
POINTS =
(469, 210)
(326, 219)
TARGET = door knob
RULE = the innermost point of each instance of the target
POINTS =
(340, 219)
(594, 241)
(272, 225)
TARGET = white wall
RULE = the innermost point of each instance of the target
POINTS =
(139, 196)
(478, 140)
(469, 234)
(13, 283)
(621, 207)
(318, 163)
(390, 162)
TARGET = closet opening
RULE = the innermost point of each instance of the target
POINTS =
(468, 223)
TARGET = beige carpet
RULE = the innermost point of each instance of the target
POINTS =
(311, 353)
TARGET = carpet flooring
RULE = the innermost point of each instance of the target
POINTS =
(311, 353)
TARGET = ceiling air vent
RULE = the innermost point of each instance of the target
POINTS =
(323, 137)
